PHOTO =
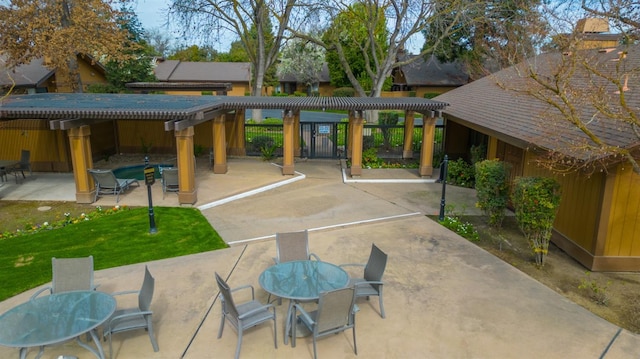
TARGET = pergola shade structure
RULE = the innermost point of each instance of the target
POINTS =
(76, 112)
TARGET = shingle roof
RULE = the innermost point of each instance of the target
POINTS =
(184, 71)
(171, 107)
(434, 73)
(503, 104)
(25, 76)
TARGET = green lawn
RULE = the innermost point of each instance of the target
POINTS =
(114, 240)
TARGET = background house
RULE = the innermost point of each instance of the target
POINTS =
(35, 77)
(597, 222)
(426, 77)
(177, 77)
(289, 84)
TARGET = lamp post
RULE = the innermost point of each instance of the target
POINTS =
(443, 179)
(149, 179)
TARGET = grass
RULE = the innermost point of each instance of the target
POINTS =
(114, 240)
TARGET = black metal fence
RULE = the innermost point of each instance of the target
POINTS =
(389, 139)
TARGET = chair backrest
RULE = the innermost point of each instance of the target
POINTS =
(105, 178)
(292, 246)
(376, 264)
(170, 176)
(228, 305)
(25, 157)
(146, 291)
(335, 310)
(72, 274)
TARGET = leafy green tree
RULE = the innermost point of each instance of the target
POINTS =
(236, 53)
(59, 30)
(194, 53)
(137, 67)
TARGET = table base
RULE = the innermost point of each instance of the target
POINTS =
(98, 353)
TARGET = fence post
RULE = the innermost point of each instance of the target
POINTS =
(443, 178)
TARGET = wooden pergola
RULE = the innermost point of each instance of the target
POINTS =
(76, 112)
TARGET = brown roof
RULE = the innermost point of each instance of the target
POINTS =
(30, 75)
(183, 71)
(502, 104)
(432, 72)
(323, 76)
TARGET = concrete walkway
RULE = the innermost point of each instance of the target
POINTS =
(444, 297)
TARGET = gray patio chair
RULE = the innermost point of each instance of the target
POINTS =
(24, 164)
(107, 183)
(139, 317)
(292, 246)
(169, 180)
(335, 314)
(371, 282)
(246, 315)
(69, 274)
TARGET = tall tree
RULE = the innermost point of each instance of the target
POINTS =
(239, 17)
(405, 21)
(59, 31)
(159, 40)
(494, 34)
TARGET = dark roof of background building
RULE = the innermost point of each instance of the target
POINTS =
(323, 76)
(31, 75)
(432, 72)
(502, 104)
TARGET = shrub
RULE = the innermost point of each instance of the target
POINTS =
(430, 95)
(492, 189)
(344, 92)
(370, 158)
(262, 141)
(536, 201)
(299, 94)
(388, 119)
(460, 173)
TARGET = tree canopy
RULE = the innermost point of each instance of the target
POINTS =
(59, 30)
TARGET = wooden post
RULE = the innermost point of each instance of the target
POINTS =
(288, 143)
(237, 145)
(187, 193)
(426, 152)
(219, 145)
(407, 149)
(356, 150)
(81, 159)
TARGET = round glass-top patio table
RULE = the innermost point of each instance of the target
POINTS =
(302, 281)
(56, 318)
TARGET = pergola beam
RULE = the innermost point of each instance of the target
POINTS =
(200, 117)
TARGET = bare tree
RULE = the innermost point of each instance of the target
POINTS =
(405, 21)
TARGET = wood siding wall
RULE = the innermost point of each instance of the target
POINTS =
(623, 229)
(134, 135)
(579, 210)
(49, 149)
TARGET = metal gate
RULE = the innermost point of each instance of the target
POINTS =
(323, 139)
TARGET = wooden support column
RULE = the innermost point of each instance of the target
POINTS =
(350, 134)
(297, 150)
(426, 152)
(492, 148)
(187, 194)
(407, 149)
(80, 143)
(219, 146)
(356, 153)
(237, 145)
(288, 143)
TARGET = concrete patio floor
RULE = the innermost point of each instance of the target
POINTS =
(444, 297)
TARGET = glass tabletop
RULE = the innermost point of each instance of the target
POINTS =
(302, 280)
(55, 318)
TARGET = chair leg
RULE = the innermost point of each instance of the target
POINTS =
(221, 326)
(315, 352)
(154, 343)
(355, 346)
(239, 340)
(381, 305)
(275, 331)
